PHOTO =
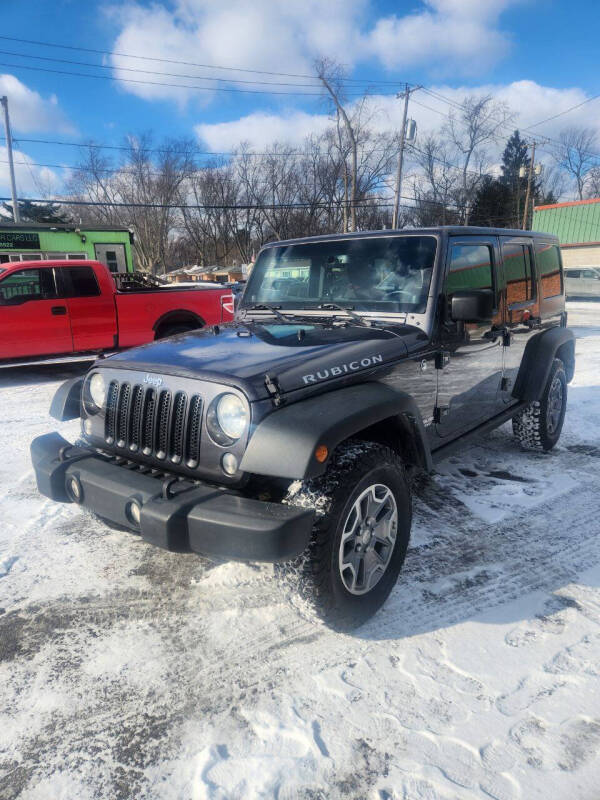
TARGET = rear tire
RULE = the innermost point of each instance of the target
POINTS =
(538, 427)
(360, 535)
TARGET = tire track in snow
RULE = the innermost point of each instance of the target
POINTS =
(466, 570)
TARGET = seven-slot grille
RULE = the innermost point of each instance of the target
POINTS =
(154, 422)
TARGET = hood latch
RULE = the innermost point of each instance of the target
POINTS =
(273, 389)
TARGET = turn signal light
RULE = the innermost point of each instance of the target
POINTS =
(321, 453)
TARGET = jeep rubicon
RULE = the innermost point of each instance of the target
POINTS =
(289, 435)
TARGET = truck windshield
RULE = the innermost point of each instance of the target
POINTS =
(371, 274)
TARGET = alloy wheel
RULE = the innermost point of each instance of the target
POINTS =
(368, 539)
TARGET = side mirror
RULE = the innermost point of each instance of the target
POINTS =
(472, 305)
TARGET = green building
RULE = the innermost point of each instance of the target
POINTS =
(35, 241)
(577, 225)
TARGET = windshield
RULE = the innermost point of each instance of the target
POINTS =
(372, 274)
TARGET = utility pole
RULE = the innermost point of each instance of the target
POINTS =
(406, 94)
(11, 165)
(528, 193)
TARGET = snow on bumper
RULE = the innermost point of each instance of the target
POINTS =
(175, 515)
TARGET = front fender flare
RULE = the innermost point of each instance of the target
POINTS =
(67, 400)
(283, 444)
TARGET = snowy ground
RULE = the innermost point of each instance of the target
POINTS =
(130, 672)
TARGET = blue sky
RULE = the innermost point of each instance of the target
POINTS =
(539, 57)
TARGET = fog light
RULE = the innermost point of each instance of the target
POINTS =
(134, 512)
(87, 427)
(75, 489)
(229, 463)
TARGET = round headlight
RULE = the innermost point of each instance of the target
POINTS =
(97, 389)
(232, 415)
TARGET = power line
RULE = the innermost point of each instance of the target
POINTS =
(431, 92)
(506, 127)
(566, 111)
(168, 74)
(158, 83)
(164, 83)
(184, 63)
(365, 203)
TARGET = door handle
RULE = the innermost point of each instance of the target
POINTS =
(58, 311)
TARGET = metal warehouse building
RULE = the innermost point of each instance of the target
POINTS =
(577, 225)
(32, 242)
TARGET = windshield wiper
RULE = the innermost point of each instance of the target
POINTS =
(350, 312)
(273, 309)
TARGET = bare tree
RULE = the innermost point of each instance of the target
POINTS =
(331, 76)
(438, 185)
(593, 182)
(479, 121)
(142, 192)
(574, 154)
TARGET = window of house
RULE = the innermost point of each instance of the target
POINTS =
(28, 284)
(548, 264)
(470, 268)
(518, 270)
(80, 282)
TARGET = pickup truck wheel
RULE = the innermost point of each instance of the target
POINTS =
(360, 535)
(539, 426)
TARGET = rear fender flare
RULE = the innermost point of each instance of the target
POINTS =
(283, 445)
(175, 316)
(540, 352)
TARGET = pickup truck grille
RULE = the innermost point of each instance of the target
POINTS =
(154, 422)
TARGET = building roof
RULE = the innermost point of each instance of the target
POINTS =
(58, 226)
(577, 222)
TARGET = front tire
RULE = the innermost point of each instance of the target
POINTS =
(360, 535)
(538, 427)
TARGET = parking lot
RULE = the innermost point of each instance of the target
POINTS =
(127, 671)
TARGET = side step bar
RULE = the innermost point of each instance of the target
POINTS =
(445, 450)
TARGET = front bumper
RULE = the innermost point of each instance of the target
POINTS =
(174, 514)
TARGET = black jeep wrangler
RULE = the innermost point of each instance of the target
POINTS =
(290, 434)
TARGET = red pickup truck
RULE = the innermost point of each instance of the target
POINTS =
(52, 308)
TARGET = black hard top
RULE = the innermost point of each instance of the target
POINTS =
(447, 230)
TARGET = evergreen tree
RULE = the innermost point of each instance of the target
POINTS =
(493, 205)
(515, 157)
(36, 212)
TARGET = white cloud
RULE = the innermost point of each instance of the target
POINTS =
(450, 35)
(31, 180)
(533, 102)
(458, 36)
(260, 129)
(29, 111)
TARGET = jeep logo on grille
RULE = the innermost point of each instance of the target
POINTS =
(153, 380)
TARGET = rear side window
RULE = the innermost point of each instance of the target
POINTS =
(27, 284)
(80, 282)
(548, 264)
(518, 270)
(573, 273)
(470, 268)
